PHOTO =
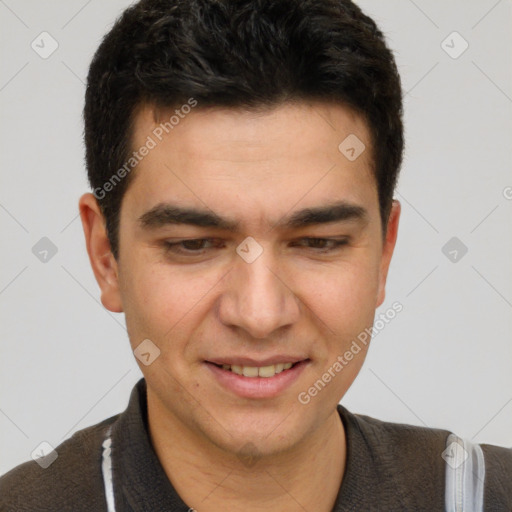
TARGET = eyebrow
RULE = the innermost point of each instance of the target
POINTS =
(166, 213)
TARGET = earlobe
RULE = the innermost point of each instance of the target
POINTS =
(387, 250)
(103, 263)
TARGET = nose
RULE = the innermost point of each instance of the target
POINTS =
(258, 298)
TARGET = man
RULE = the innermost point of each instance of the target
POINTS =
(243, 158)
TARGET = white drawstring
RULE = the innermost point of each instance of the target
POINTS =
(465, 476)
(106, 467)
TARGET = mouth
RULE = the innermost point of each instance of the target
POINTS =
(257, 381)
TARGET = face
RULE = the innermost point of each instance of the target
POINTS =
(249, 241)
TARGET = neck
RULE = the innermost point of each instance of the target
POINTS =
(207, 478)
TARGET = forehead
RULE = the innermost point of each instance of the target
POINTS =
(294, 128)
(248, 162)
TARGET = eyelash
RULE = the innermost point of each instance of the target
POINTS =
(173, 246)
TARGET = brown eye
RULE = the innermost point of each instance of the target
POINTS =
(324, 244)
(191, 247)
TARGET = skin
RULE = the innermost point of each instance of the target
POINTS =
(255, 168)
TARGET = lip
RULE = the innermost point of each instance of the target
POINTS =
(256, 387)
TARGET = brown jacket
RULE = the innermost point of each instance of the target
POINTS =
(389, 467)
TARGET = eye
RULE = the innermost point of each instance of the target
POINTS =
(324, 244)
(193, 246)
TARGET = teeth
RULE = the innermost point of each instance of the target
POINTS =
(266, 371)
(237, 369)
(255, 371)
(249, 371)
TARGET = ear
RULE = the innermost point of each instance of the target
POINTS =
(103, 263)
(387, 249)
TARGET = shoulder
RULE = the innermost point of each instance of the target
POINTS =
(402, 440)
(72, 482)
(498, 477)
(401, 463)
(415, 456)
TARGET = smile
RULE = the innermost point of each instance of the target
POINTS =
(256, 382)
(257, 371)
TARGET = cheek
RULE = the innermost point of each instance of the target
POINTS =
(162, 302)
(345, 298)
(345, 307)
(147, 298)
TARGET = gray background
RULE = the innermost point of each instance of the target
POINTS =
(445, 361)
